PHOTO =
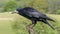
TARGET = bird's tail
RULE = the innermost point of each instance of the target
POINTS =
(50, 19)
(51, 26)
(46, 22)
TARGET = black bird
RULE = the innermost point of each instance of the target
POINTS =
(34, 15)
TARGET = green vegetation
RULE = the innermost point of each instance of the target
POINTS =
(11, 5)
(46, 6)
(5, 24)
(15, 24)
(19, 23)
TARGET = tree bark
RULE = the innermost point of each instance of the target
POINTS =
(30, 29)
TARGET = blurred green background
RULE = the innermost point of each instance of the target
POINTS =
(46, 6)
(16, 24)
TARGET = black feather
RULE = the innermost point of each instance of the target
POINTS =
(33, 14)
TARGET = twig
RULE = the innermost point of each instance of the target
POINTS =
(30, 29)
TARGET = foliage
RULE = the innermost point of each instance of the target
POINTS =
(58, 12)
(40, 5)
(11, 5)
(20, 23)
(46, 6)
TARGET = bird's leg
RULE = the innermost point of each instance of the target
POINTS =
(30, 27)
(34, 22)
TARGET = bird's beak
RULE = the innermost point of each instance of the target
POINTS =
(14, 12)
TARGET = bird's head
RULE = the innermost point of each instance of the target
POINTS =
(17, 10)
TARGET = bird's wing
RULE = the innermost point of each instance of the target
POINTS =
(46, 17)
(34, 14)
(37, 14)
(40, 15)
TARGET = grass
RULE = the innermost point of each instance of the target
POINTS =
(19, 23)
(5, 25)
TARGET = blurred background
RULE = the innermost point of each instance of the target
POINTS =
(16, 24)
(46, 6)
